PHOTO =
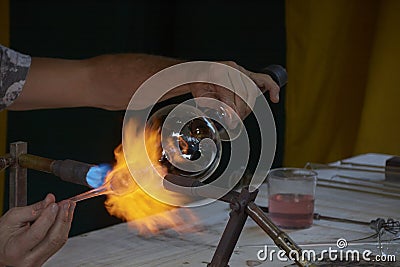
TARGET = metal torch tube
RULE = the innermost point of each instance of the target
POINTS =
(68, 170)
(35, 163)
(71, 171)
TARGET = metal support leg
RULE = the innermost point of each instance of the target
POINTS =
(230, 236)
(18, 176)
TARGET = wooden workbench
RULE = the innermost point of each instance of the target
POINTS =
(121, 246)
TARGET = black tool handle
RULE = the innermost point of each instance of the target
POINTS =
(277, 73)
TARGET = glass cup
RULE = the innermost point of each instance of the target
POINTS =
(291, 194)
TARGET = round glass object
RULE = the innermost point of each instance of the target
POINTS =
(190, 144)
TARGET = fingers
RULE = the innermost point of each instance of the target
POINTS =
(22, 215)
(56, 236)
(235, 103)
(21, 235)
(38, 230)
(265, 83)
(236, 79)
(243, 84)
(246, 100)
(240, 93)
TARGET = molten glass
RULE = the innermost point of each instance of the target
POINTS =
(119, 186)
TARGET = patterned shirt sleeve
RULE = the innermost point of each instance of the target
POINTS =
(14, 68)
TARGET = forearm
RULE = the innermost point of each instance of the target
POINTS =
(115, 78)
(110, 81)
(106, 82)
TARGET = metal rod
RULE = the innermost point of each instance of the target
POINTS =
(379, 182)
(316, 166)
(280, 238)
(35, 162)
(361, 165)
(325, 184)
(232, 231)
(387, 170)
(386, 189)
(376, 224)
(318, 217)
(18, 177)
(392, 164)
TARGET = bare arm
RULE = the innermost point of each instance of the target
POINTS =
(106, 82)
(109, 82)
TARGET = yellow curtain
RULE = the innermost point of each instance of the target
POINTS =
(4, 39)
(343, 95)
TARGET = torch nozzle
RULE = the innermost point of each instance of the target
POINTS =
(68, 170)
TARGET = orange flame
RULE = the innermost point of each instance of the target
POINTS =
(140, 210)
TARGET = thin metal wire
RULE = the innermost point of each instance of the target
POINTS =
(327, 185)
(380, 182)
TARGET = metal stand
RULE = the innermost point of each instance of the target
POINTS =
(242, 205)
(18, 176)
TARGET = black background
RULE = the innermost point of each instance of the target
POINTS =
(252, 33)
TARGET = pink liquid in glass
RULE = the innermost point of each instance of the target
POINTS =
(291, 211)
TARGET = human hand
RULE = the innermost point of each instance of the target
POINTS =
(243, 99)
(30, 235)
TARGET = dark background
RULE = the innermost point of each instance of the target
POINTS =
(251, 33)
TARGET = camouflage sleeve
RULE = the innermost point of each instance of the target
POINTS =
(14, 68)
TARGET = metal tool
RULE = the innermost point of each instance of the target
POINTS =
(392, 167)
(387, 187)
(377, 225)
